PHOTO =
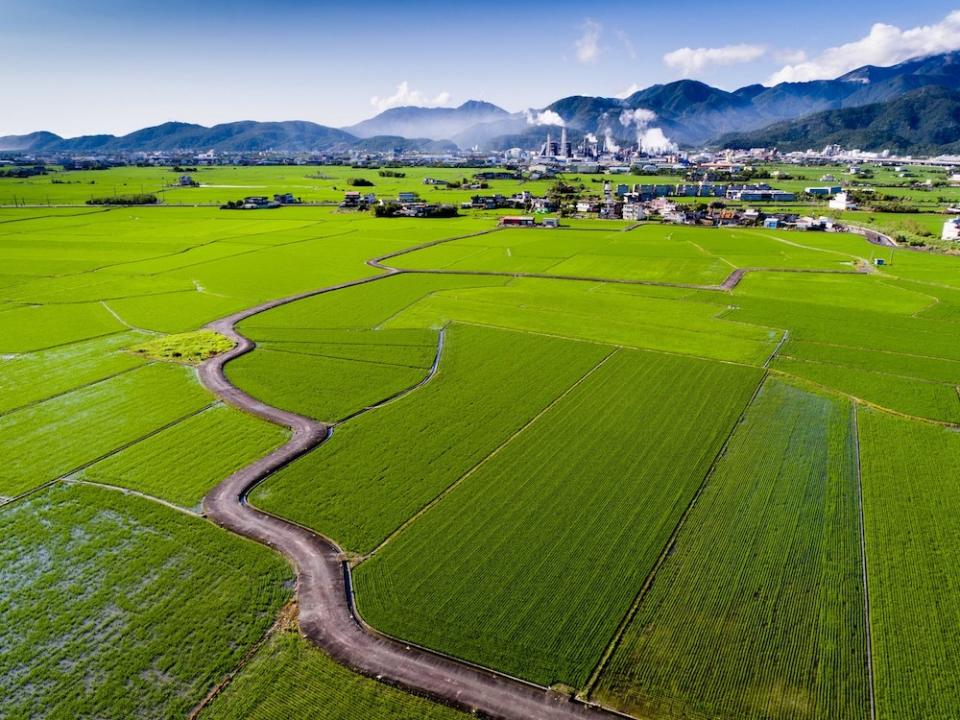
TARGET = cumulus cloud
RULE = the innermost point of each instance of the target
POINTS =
(405, 96)
(628, 46)
(588, 44)
(693, 60)
(628, 91)
(883, 45)
(789, 56)
(547, 117)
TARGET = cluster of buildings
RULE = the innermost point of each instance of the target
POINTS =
(262, 202)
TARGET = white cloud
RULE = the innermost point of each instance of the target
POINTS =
(693, 60)
(405, 96)
(628, 91)
(588, 44)
(627, 43)
(547, 117)
(884, 45)
(789, 56)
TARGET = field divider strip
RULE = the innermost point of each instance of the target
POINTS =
(863, 565)
(130, 491)
(447, 490)
(668, 546)
(776, 350)
(116, 316)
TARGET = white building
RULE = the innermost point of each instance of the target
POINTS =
(841, 201)
(951, 229)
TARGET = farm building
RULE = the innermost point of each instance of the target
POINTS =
(823, 190)
(951, 229)
(517, 221)
(842, 202)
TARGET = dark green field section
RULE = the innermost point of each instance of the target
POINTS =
(758, 610)
(115, 607)
(529, 563)
(379, 469)
(184, 461)
(87, 423)
(291, 679)
(910, 500)
(331, 380)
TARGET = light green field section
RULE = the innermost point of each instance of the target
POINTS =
(37, 327)
(322, 387)
(112, 606)
(758, 610)
(92, 421)
(530, 562)
(652, 253)
(367, 306)
(289, 678)
(36, 376)
(381, 468)
(581, 310)
(910, 496)
(907, 395)
(908, 365)
(184, 461)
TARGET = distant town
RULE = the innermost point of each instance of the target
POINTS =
(587, 181)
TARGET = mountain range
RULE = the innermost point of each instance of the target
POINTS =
(923, 121)
(866, 106)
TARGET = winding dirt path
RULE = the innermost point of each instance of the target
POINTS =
(327, 617)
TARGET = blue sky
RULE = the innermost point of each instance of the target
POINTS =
(83, 67)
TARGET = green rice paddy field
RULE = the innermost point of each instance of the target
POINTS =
(568, 455)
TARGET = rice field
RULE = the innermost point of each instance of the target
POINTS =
(758, 609)
(330, 381)
(382, 467)
(653, 253)
(910, 495)
(289, 678)
(529, 562)
(182, 462)
(510, 510)
(112, 606)
(91, 422)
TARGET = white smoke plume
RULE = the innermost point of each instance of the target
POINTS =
(546, 117)
(609, 143)
(590, 138)
(654, 142)
(651, 140)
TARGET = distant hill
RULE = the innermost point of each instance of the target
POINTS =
(437, 123)
(243, 136)
(925, 121)
(33, 141)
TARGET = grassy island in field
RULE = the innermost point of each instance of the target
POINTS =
(190, 348)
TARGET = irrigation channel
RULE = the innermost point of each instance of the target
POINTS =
(326, 611)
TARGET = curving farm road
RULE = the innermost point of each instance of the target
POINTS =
(327, 615)
(326, 611)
